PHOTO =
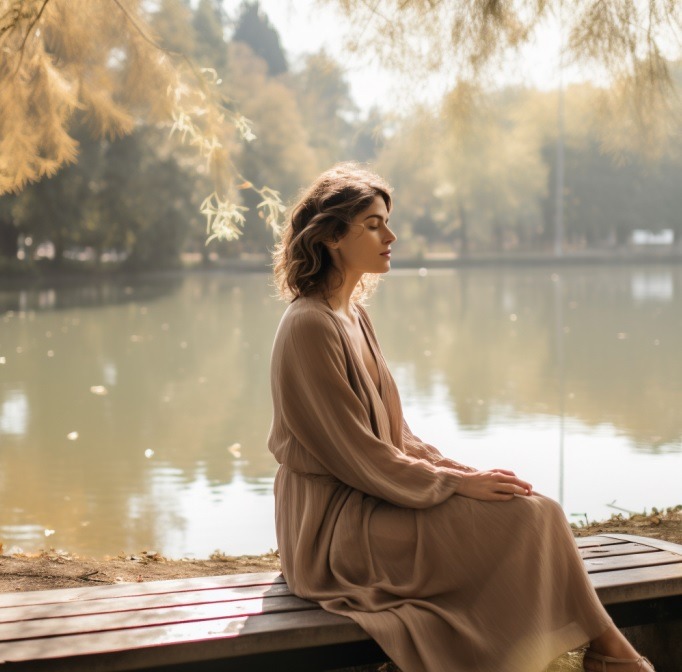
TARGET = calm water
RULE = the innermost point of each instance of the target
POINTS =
(135, 417)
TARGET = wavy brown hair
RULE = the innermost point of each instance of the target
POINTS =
(323, 213)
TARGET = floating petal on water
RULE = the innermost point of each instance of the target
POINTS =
(149, 453)
(72, 436)
(236, 449)
(99, 390)
(49, 533)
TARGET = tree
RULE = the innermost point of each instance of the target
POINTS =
(59, 210)
(469, 180)
(327, 108)
(102, 57)
(209, 47)
(627, 41)
(145, 202)
(253, 28)
(282, 157)
(60, 56)
(9, 230)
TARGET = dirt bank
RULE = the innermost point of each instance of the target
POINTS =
(59, 569)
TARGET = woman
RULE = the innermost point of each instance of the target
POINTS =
(446, 567)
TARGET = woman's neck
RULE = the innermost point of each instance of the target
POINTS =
(340, 297)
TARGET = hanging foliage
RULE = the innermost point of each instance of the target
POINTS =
(99, 61)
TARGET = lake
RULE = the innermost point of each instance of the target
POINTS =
(134, 416)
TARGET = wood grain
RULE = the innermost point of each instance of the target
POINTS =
(584, 542)
(114, 604)
(613, 563)
(615, 549)
(141, 618)
(133, 589)
(143, 625)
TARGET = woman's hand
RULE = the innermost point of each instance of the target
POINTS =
(496, 485)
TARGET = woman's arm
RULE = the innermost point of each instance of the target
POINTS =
(492, 485)
(425, 451)
(312, 391)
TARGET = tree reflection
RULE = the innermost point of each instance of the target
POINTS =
(490, 337)
(184, 372)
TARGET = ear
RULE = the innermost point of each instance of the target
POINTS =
(332, 244)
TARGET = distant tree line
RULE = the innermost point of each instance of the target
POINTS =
(485, 181)
(476, 182)
(138, 197)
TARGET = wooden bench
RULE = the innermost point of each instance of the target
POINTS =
(252, 621)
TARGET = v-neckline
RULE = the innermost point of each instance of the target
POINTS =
(370, 345)
(378, 389)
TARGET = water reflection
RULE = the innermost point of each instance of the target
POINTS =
(86, 295)
(158, 382)
(653, 285)
(13, 413)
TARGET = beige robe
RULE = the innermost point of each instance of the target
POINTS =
(370, 525)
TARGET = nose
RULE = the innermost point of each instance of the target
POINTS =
(390, 237)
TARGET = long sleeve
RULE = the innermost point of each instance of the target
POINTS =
(425, 451)
(317, 403)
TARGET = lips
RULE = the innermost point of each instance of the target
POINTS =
(386, 254)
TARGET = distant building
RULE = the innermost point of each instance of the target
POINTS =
(645, 237)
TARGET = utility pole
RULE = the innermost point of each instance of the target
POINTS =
(559, 213)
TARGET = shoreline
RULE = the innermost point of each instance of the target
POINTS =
(18, 275)
(49, 569)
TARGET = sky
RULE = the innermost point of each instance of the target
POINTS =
(304, 27)
(370, 85)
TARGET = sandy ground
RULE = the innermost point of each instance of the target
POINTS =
(59, 569)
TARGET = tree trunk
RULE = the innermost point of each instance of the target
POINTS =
(463, 231)
(58, 243)
(9, 239)
(499, 236)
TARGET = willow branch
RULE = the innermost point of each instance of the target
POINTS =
(28, 32)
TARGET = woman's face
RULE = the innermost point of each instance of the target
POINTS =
(366, 248)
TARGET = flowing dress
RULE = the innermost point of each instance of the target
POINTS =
(370, 525)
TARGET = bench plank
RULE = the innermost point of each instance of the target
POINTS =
(612, 563)
(135, 589)
(615, 550)
(114, 604)
(584, 542)
(660, 544)
(225, 638)
(643, 583)
(74, 625)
